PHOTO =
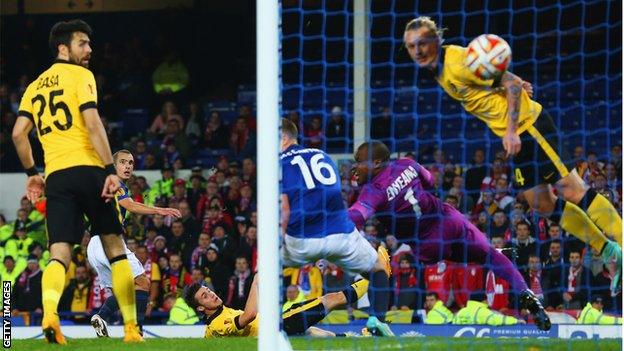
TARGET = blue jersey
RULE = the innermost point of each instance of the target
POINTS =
(311, 181)
(121, 194)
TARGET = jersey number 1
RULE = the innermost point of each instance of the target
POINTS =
(409, 196)
(54, 107)
(317, 165)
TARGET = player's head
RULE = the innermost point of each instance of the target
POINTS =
(289, 134)
(370, 159)
(430, 299)
(201, 299)
(70, 41)
(124, 164)
(422, 38)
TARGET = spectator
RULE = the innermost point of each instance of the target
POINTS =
(600, 184)
(406, 284)
(533, 276)
(179, 192)
(215, 270)
(500, 225)
(176, 277)
(212, 191)
(309, 280)
(502, 197)
(171, 76)
(226, 245)
(76, 295)
(216, 133)
(27, 291)
(452, 200)
(247, 202)
(248, 246)
(162, 187)
(12, 269)
(140, 152)
(592, 314)
(437, 313)
(201, 249)
(486, 202)
(160, 249)
(293, 296)
(174, 134)
(215, 216)
(242, 138)
(152, 272)
(169, 112)
(336, 130)
(474, 175)
(194, 121)
(524, 244)
(195, 192)
(314, 133)
(18, 245)
(244, 111)
(381, 125)
(240, 284)
(188, 220)
(464, 202)
(577, 282)
(249, 171)
(181, 243)
(477, 312)
(158, 223)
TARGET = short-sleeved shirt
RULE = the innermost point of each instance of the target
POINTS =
(397, 196)
(222, 323)
(480, 97)
(311, 181)
(54, 102)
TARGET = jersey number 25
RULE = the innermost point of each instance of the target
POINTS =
(317, 165)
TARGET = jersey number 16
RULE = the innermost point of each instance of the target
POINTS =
(317, 165)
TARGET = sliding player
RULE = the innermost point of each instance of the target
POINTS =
(528, 134)
(124, 166)
(222, 321)
(394, 191)
(315, 223)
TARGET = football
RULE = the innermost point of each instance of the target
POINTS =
(488, 56)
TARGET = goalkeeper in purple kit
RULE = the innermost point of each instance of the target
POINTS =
(395, 192)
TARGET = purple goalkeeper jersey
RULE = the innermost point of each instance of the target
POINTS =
(399, 199)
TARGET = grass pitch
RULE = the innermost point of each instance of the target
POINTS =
(333, 344)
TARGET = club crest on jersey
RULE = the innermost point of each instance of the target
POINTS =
(401, 182)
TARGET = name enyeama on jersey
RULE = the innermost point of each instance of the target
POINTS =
(310, 181)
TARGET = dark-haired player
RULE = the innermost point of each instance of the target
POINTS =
(395, 192)
(61, 104)
(222, 321)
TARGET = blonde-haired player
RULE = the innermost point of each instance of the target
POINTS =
(505, 105)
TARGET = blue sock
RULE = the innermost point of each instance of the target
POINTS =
(108, 309)
(142, 298)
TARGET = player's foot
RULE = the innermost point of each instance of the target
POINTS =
(529, 301)
(613, 251)
(385, 259)
(132, 333)
(377, 327)
(100, 326)
(51, 326)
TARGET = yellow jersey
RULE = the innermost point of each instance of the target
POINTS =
(222, 323)
(478, 96)
(54, 102)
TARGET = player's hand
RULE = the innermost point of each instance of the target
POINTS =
(511, 143)
(148, 310)
(111, 185)
(528, 87)
(169, 212)
(34, 188)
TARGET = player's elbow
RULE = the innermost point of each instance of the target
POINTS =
(18, 135)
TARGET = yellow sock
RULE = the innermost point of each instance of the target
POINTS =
(360, 287)
(606, 217)
(123, 287)
(576, 222)
(52, 284)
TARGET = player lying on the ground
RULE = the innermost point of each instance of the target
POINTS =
(222, 321)
(124, 166)
(528, 134)
(395, 192)
(316, 224)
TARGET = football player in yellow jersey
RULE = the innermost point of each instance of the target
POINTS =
(222, 321)
(528, 134)
(61, 104)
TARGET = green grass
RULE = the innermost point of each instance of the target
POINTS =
(427, 344)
